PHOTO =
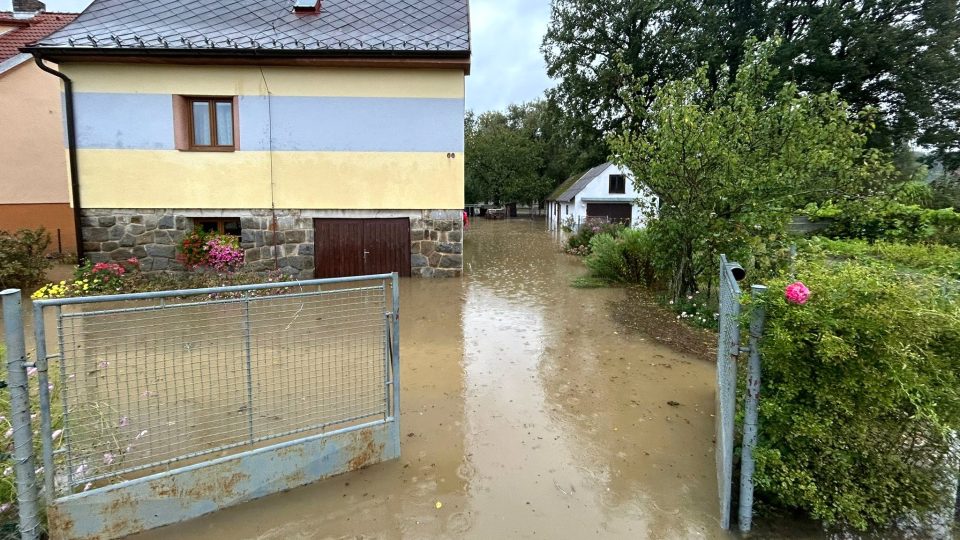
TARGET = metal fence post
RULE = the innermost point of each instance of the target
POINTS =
(751, 402)
(26, 476)
(43, 372)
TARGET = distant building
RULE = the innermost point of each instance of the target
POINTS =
(34, 183)
(604, 193)
(328, 136)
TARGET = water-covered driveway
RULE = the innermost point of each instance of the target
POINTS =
(528, 412)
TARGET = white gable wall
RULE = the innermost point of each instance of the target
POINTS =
(598, 191)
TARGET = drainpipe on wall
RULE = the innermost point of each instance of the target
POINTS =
(71, 149)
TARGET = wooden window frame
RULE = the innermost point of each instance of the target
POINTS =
(220, 221)
(622, 182)
(211, 102)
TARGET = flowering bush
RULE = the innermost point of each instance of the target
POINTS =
(222, 255)
(99, 278)
(861, 390)
(201, 249)
(797, 293)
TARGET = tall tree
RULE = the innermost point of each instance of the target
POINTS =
(521, 154)
(729, 165)
(502, 164)
(898, 56)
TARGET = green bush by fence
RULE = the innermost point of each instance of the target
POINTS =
(861, 389)
(22, 262)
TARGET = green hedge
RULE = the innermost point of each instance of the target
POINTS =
(935, 259)
(861, 387)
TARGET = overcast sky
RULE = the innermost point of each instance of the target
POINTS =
(507, 64)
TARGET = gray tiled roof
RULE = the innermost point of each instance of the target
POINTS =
(271, 25)
(567, 191)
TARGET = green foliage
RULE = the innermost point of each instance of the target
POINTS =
(22, 262)
(89, 281)
(934, 259)
(945, 192)
(896, 56)
(729, 165)
(519, 155)
(579, 243)
(879, 218)
(8, 490)
(587, 282)
(624, 258)
(861, 390)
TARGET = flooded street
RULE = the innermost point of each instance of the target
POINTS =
(527, 412)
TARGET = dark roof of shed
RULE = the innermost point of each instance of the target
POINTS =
(385, 26)
(575, 184)
(28, 30)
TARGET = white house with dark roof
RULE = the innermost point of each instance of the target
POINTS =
(604, 193)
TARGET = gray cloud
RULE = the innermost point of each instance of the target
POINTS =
(507, 64)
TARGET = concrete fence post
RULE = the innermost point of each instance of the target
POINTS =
(23, 463)
(751, 404)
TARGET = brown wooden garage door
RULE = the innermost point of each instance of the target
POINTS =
(354, 247)
(612, 211)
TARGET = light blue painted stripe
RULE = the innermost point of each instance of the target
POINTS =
(130, 121)
(352, 124)
(312, 124)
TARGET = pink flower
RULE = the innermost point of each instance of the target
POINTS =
(797, 293)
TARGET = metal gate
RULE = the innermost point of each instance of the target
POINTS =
(728, 349)
(161, 407)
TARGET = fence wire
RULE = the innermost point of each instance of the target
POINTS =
(150, 383)
(727, 351)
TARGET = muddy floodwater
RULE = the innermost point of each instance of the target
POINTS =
(527, 412)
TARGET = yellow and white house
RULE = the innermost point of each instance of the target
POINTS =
(328, 136)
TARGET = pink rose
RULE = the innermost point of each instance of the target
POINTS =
(797, 293)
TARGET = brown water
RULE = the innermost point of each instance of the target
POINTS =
(527, 413)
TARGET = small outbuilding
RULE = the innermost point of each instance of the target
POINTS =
(604, 193)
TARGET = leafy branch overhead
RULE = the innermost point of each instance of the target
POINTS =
(896, 56)
(730, 165)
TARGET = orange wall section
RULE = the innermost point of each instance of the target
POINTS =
(49, 216)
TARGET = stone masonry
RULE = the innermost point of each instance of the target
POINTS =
(437, 244)
(152, 235)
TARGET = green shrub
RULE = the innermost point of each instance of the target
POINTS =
(861, 390)
(934, 259)
(626, 258)
(876, 219)
(22, 263)
(579, 243)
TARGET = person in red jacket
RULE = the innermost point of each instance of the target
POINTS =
(466, 220)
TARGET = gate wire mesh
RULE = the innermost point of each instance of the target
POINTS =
(151, 383)
(728, 348)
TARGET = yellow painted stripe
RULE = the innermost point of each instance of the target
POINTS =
(282, 81)
(242, 180)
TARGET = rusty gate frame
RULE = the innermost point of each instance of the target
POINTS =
(197, 489)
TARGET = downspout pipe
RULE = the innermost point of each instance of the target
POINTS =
(71, 148)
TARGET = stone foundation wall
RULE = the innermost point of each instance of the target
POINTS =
(152, 235)
(437, 244)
